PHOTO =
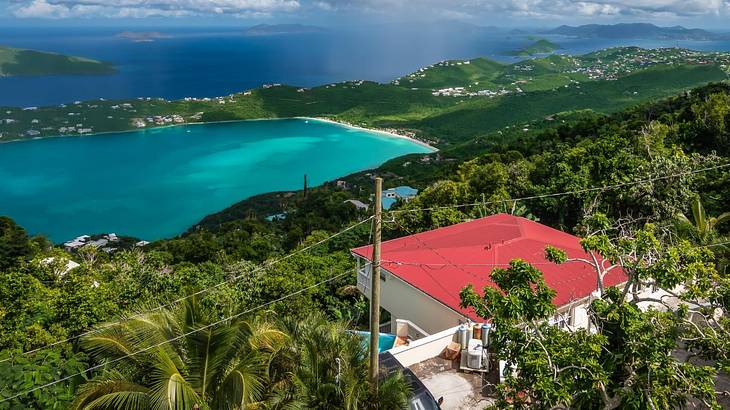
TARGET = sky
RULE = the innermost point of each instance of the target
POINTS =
(710, 14)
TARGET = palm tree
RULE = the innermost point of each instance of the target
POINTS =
(324, 366)
(702, 228)
(220, 367)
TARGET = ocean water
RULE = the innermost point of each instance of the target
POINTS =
(156, 183)
(211, 62)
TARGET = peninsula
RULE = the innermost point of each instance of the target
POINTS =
(540, 46)
(16, 62)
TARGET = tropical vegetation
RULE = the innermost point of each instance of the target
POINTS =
(620, 181)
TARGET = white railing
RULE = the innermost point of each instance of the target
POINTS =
(363, 281)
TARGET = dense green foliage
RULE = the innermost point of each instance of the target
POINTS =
(15, 61)
(232, 253)
(234, 364)
(628, 361)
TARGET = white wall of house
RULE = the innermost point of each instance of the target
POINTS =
(580, 317)
(404, 301)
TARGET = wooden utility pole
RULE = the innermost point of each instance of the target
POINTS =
(375, 287)
(305, 185)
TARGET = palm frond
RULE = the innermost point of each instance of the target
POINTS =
(112, 383)
(723, 218)
(122, 400)
(698, 212)
(244, 383)
(110, 344)
(171, 390)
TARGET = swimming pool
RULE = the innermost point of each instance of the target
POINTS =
(386, 341)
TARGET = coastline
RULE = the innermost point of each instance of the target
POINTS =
(327, 120)
(344, 127)
(373, 130)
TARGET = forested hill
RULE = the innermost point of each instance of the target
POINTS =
(15, 61)
(235, 258)
(445, 103)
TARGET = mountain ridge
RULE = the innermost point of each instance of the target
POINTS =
(637, 31)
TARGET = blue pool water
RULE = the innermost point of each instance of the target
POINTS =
(156, 183)
(386, 341)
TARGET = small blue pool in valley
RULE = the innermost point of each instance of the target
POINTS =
(386, 341)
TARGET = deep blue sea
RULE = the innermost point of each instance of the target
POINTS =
(211, 62)
(157, 183)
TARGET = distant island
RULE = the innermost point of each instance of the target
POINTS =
(142, 36)
(540, 46)
(17, 62)
(637, 31)
(274, 29)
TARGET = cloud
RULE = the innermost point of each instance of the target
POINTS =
(454, 9)
(149, 8)
(553, 9)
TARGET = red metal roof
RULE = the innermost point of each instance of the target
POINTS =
(494, 240)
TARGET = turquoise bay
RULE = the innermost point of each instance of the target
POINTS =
(156, 183)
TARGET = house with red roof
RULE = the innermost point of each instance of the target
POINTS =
(422, 274)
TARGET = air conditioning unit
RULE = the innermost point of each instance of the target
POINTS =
(474, 354)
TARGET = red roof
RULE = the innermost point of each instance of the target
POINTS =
(426, 260)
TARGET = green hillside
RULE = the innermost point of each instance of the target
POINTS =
(454, 73)
(15, 61)
(480, 116)
(267, 307)
(477, 97)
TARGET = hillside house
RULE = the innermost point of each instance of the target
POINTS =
(421, 278)
(422, 274)
(392, 195)
(357, 204)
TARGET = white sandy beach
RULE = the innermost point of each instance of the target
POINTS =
(377, 131)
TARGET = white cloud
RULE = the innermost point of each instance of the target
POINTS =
(40, 8)
(561, 9)
(148, 8)
(458, 9)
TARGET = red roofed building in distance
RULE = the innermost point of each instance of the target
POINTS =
(422, 274)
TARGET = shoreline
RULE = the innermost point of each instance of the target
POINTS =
(373, 130)
(322, 119)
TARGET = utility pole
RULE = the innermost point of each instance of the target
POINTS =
(375, 287)
(305, 185)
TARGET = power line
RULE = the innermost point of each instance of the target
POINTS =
(197, 293)
(148, 348)
(276, 261)
(564, 193)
